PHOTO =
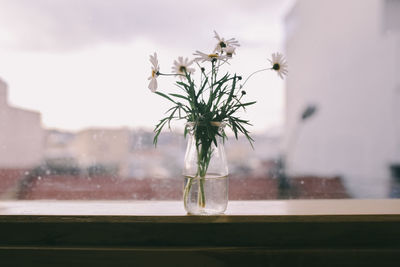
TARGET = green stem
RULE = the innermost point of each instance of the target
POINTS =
(252, 75)
(204, 151)
(188, 186)
(201, 173)
(202, 166)
(170, 74)
(202, 202)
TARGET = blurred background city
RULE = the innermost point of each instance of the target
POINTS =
(76, 116)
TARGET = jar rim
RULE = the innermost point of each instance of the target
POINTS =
(213, 123)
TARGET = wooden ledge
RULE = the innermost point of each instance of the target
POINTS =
(247, 223)
(121, 233)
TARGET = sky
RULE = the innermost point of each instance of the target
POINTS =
(85, 63)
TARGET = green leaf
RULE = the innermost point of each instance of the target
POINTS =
(247, 104)
(203, 86)
(180, 96)
(165, 96)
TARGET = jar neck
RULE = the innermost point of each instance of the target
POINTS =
(205, 149)
(219, 126)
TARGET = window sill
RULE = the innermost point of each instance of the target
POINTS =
(320, 231)
(160, 209)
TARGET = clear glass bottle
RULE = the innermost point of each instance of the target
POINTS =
(205, 170)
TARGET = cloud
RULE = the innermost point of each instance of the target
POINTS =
(77, 24)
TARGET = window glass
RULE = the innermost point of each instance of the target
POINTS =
(77, 117)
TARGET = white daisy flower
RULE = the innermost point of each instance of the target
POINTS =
(181, 67)
(155, 68)
(208, 57)
(279, 64)
(222, 43)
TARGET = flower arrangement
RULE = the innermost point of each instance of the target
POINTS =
(209, 99)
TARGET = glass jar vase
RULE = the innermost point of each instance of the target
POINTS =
(205, 170)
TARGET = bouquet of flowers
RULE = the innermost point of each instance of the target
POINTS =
(208, 99)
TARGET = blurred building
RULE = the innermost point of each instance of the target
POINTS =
(106, 148)
(344, 56)
(58, 145)
(130, 153)
(163, 161)
(21, 135)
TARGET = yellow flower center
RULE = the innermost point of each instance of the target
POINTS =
(153, 73)
(213, 55)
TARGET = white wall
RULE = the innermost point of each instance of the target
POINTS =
(21, 135)
(342, 58)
